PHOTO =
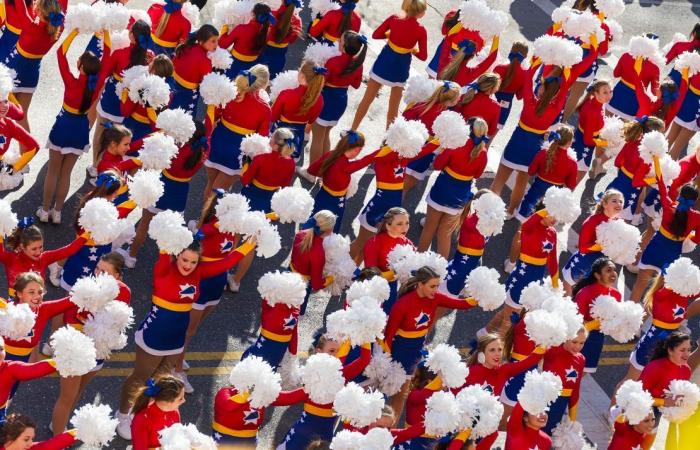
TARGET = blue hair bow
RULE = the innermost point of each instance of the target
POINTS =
(200, 142)
(468, 47)
(668, 96)
(265, 18)
(249, 75)
(423, 358)
(219, 192)
(198, 235)
(446, 85)
(56, 19)
(473, 344)
(348, 6)
(25, 222)
(171, 6)
(312, 223)
(362, 38)
(92, 82)
(474, 86)
(552, 78)
(642, 120)
(289, 142)
(320, 70)
(476, 140)
(108, 125)
(152, 389)
(296, 3)
(106, 179)
(554, 136)
(515, 55)
(652, 36)
(143, 40)
(514, 318)
(684, 204)
(353, 137)
(356, 274)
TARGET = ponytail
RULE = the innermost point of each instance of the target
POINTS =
(355, 46)
(560, 138)
(142, 36)
(518, 53)
(687, 197)
(198, 144)
(591, 90)
(283, 138)
(284, 22)
(263, 15)
(164, 389)
(421, 276)
(486, 83)
(320, 223)
(350, 139)
(51, 12)
(112, 133)
(478, 135)
(106, 184)
(315, 79)
(90, 65)
(466, 51)
(551, 86)
(635, 129)
(346, 7)
(447, 92)
(252, 80)
(668, 94)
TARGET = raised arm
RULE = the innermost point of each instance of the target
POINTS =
(211, 268)
(51, 256)
(61, 54)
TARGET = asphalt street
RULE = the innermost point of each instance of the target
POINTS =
(234, 324)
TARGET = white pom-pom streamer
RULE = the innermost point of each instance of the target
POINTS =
(288, 79)
(157, 152)
(480, 410)
(539, 391)
(561, 204)
(619, 241)
(619, 320)
(339, 264)
(233, 13)
(653, 144)
(288, 288)
(568, 435)
(176, 123)
(73, 352)
(100, 218)
(107, 327)
(7, 82)
(319, 52)
(145, 188)
(322, 378)
(8, 219)
(419, 88)
(150, 90)
(170, 233)
(85, 18)
(491, 211)
(364, 321)
(230, 210)
(92, 293)
(635, 402)
(290, 371)
(683, 277)
(406, 137)
(255, 376)
(184, 437)
(94, 425)
(535, 294)
(358, 407)
(347, 440)
(220, 59)
(442, 414)
(478, 16)
(686, 394)
(445, 361)
(384, 373)
(376, 288)
(690, 61)
(115, 17)
(292, 204)
(647, 48)
(451, 129)
(217, 90)
(190, 12)
(557, 51)
(378, 439)
(17, 321)
(255, 145)
(120, 39)
(612, 133)
(322, 6)
(611, 8)
(545, 328)
(484, 287)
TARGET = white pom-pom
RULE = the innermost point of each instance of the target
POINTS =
(568, 435)
(445, 361)
(478, 16)
(17, 321)
(129, 77)
(561, 204)
(290, 371)
(561, 13)
(384, 373)
(616, 32)
(635, 402)
(539, 391)
(108, 326)
(115, 17)
(255, 223)
(339, 264)
(100, 218)
(619, 241)
(230, 210)
(545, 328)
(376, 288)
(150, 90)
(481, 411)
(419, 88)
(8, 219)
(347, 440)
(619, 320)
(94, 425)
(170, 233)
(442, 414)
(217, 89)
(322, 378)
(399, 260)
(92, 293)
(145, 188)
(176, 123)
(85, 18)
(653, 144)
(406, 137)
(157, 152)
(289, 79)
(647, 48)
(451, 129)
(612, 133)
(11, 156)
(670, 169)
(220, 59)
(557, 51)
(491, 211)
(190, 12)
(255, 376)
(354, 184)
(611, 8)
(378, 439)
(686, 394)
(581, 24)
(567, 311)
(358, 407)
(689, 60)
(292, 204)
(683, 277)
(140, 14)
(483, 285)
(255, 145)
(535, 294)
(495, 25)
(73, 352)
(288, 288)
(120, 39)
(184, 437)
(319, 52)
(364, 321)
(322, 6)
(7, 82)
(233, 13)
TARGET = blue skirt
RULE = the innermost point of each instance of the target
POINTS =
(406, 351)
(8, 40)
(450, 195)
(579, 266)
(419, 443)
(307, 429)
(522, 275)
(185, 98)
(274, 58)
(210, 291)
(652, 204)
(532, 197)
(592, 350)
(435, 60)
(623, 102)
(335, 101)
(162, 332)
(109, 106)
(26, 71)
(660, 252)
(174, 195)
(225, 155)
(95, 46)
(237, 65)
(82, 264)
(139, 130)
(269, 350)
(584, 153)
(391, 68)
(505, 100)
(690, 110)
(258, 198)
(676, 76)
(623, 183)
(458, 269)
(556, 413)
(70, 133)
(393, 294)
(509, 396)
(419, 168)
(298, 130)
(227, 441)
(642, 351)
(336, 205)
(521, 149)
(589, 74)
(379, 204)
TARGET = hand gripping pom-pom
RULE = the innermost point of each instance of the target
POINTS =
(92, 293)
(233, 13)
(481, 411)
(619, 241)
(568, 435)
(653, 144)
(145, 188)
(17, 321)
(94, 425)
(100, 218)
(690, 61)
(170, 233)
(619, 320)
(322, 378)
(545, 328)
(384, 373)
(157, 152)
(442, 414)
(85, 18)
(445, 361)
(73, 352)
(255, 376)
(483, 286)
(612, 134)
(451, 129)
(557, 51)
(230, 210)
(635, 402)
(647, 48)
(107, 327)
(292, 204)
(406, 137)
(686, 395)
(539, 391)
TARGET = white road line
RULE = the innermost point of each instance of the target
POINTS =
(545, 5)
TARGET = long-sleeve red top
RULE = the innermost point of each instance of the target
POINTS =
(233, 411)
(9, 129)
(658, 374)
(389, 166)
(216, 244)
(471, 242)
(279, 322)
(631, 164)
(569, 368)
(178, 170)
(587, 238)
(690, 167)
(483, 106)
(11, 19)
(118, 61)
(287, 107)
(562, 171)
(668, 211)
(404, 33)
(522, 344)
(34, 41)
(75, 86)
(625, 71)
(540, 242)
(517, 82)
(520, 436)
(591, 120)
(377, 249)
(466, 74)
(625, 437)
(191, 66)
(586, 297)
(121, 163)
(493, 379)
(17, 261)
(415, 314)
(335, 77)
(458, 163)
(46, 311)
(242, 37)
(137, 111)
(60, 442)
(247, 115)
(269, 171)
(147, 423)
(669, 308)
(309, 263)
(337, 176)
(14, 371)
(175, 31)
(328, 25)
(426, 116)
(294, 28)
(453, 37)
(681, 47)
(648, 107)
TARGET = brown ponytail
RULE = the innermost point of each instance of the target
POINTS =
(422, 276)
(164, 389)
(262, 14)
(479, 129)
(314, 85)
(550, 86)
(447, 92)
(260, 76)
(566, 135)
(284, 22)
(466, 51)
(486, 83)
(347, 7)
(634, 130)
(45, 9)
(341, 147)
(163, 21)
(355, 45)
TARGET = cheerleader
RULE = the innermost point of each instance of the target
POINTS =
(668, 103)
(10, 129)
(248, 113)
(525, 430)
(11, 28)
(70, 134)
(247, 40)
(627, 436)
(450, 21)
(344, 71)
(72, 388)
(590, 121)
(332, 25)
(176, 187)
(156, 406)
(308, 256)
(690, 167)
(478, 101)
(391, 232)
(680, 47)
(169, 26)
(296, 108)
(458, 69)
(684, 126)
(452, 189)
(512, 81)
(161, 336)
(602, 280)
(579, 264)
(265, 174)
(112, 149)
(335, 170)
(19, 431)
(394, 62)
(554, 166)
(285, 32)
(517, 345)
(191, 64)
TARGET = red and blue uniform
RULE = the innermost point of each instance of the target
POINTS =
(309, 264)
(435, 60)
(649, 107)
(419, 168)
(403, 34)
(287, 113)
(241, 38)
(466, 74)
(690, 167)
(9, 129)
(278, 333)
(521, 348)
(264, 176)
(656, 378)
(11, 27)
(147, 423)
(12, 372)
(453, 38)
(325, 29)
(274, 55)
(376, 254)
(675, 51)
(175, 31)
(335, 89)
(520, 436)
(590, 122)
(414, 437)
(624, 100)
(190, 68)
(631, 177)
(585, 298)
(483, 106)
(176, 179)
(467, 257)
(625, 437)
(690, 95)
(579, 264)
(506, 93)
(216, 245)
(569, 368)
(139, 119)
(235, 420)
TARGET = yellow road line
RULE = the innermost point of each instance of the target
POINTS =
(618, 347)
(613, 361)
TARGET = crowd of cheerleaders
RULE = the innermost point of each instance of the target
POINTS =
(138, 87)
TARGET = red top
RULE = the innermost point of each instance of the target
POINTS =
(335, 78)
(288, 104)
(459, 161)
(483, 106)
(520, 436)
(569, 368)
(75, 86)
(174, 32)
(412, 313)
(649, 75)
(215, 244)
(118, 61)
(47, 310)
(77, 319)
(466, 74)
(690, 167)
(669, 307)
(469, 236)
(562, 172)
(328, 25)
(591, 120)
(416, 404)
(629, 161)
(426, 116)
(522, 344)
(309, 263)
(389, 167)
(658, 374)
(517, 82)
(11, 19)
(235, 413)
(177, 166)
(281, 320)
(337, 176)
(587, 238)
(192, 65)
(493, 379)
(9, 129)
(14, 371)
(453, 37)
(116, 162)
(378, 247)
(668, 210)
(63, 440)
(587, 296)
(294, 27)
(406, 33)
(17, 261)
(270, 169)
(248, 115)
(625, 436)
(243, 39)
(648, 107)
(539, 241)
(34, 39)
(147, 423)
(681, 47)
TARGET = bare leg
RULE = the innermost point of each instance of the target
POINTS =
(432, 220)
(507, 410)
(243, 266)
(63, 184)
(644, 277)
(370, 93)
(394, 103)
(408, 183)
(516, 195)
(97, 137)
(52, 174)
(447, 225)
(580, 176)
(515, 246)
(92, 114)
(327, 141)
(319, 135)
(681, 141)
(500, 322)
(145, 365)
(358, 245)
(398, 401)
(224, 181)
(502, 175)
(25, 100)
(575, 94)
(68, 395)
(141, 233)
(567, 288)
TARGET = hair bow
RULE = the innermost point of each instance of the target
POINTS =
(219, 192)
(296, 3)
(106, 179)
(192, 36)
(265, 18)
(651, 36)
(348, 6)
(92, 82)
(473, 344)
(554, 136)
(289, 142)
(468, 47)
(171, 6)
(198, 235)
(56, 19)
(446, 85)
(669, 96)
(589, 88)
(312, 223)
(478, 139)
(642, 120)
(152, 389)
(356, 274)
(25, 222)
(320, 70)
(353, 137)
(552, 78)
(474, 86)
(515, 55)
(249, 75)
(200, 142)
(514, 318)
(684, 204)
(362, 38)
(143, 40)
(423, 358)
(108, 125)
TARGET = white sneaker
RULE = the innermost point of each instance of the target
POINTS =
(304, 173)
(42, 215)
(93, 181)
(422, 221)
(185, 365)
(233, 285)
(508, 265)
(92, 171)
(46, 349)
(55, 217)
(182, 376)
(124, 426)
(55, 274)
(129, 261)
(192, 226)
